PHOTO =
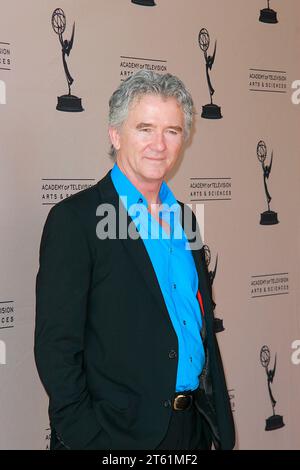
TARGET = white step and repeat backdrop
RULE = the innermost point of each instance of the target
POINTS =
(249, 51)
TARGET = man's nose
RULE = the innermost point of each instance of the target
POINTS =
(159, 142)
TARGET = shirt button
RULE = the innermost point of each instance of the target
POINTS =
(174, 286)
(172, 354)
(184, 322)
(191, 359)
(140, 200)
(171, 250)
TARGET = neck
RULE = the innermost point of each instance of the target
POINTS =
(150, 192)
(149, 189)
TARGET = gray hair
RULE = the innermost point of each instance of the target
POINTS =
(146, 82)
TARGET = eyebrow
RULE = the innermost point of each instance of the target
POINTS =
(146, 124)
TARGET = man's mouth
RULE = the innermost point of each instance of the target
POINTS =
(155, 159)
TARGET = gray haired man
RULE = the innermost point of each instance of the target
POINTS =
(124, 342)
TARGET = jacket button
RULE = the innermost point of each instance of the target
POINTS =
(172, 354)
(167, 403)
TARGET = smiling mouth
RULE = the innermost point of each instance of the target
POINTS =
(155, 159)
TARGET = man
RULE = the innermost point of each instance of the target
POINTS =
(124, 342)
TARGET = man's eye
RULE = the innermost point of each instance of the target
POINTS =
(145, 129)
(171, 131)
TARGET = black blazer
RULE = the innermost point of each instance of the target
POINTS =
(104, 341)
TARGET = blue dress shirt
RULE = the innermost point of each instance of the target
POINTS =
(175, 271)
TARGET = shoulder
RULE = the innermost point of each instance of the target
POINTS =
(79, 211)
(78, 202)
(188, 217)
(190, 225)
(83, 204)
(75, 214)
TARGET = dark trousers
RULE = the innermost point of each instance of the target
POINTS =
(185, 432)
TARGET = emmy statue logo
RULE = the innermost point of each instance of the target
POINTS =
(211, 110)
(67, 102)
(268, 217)
(274, 421)
(218, 323)
(267, 15)
(145, 3)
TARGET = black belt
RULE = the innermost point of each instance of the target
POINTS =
(183, 400)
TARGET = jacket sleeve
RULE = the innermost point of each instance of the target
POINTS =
(62, 287)
(218, 409)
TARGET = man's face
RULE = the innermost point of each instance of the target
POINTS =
(150, 140)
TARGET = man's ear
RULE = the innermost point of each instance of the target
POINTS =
(114, 136)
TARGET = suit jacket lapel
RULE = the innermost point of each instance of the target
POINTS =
(138, 252)
(135, 247)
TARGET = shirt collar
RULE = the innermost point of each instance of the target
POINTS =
(124, 187)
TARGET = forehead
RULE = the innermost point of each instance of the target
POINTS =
(154, 104)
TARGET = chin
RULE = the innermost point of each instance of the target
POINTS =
(155, 173)
(153, 177)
